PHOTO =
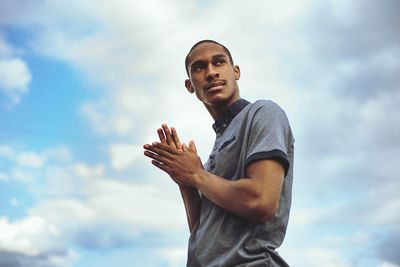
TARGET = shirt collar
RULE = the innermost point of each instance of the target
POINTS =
(223, 122)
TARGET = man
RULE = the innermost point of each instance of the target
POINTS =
(238, 204)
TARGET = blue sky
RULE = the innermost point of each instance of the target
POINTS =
(83, 84)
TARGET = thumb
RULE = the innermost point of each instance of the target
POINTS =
(192, 146)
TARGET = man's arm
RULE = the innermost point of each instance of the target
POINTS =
(255, 197)
(190, 195)
(192, 202)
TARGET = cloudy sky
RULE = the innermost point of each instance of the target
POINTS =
(83, 84)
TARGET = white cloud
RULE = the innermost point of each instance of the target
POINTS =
(124, 155)
(6, 152)
(102, 198)
(73, 199)
(88, 172)
(357, 238)
(326, 257)
(30, 236)
(58, 211)
(304, 217)
(175, 257)
(30, 159)
(388, 264)
(61, 154)
(22, 175)
(15, 75)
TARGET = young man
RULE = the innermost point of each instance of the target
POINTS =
(238, 204)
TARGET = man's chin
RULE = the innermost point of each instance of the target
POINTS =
(217, 101)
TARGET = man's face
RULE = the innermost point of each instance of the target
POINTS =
(212, 76)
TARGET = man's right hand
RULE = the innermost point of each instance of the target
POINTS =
(169, 138)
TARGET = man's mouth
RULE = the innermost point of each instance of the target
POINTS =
(215, 85)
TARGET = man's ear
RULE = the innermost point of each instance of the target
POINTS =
(236, 70)
(189, 86)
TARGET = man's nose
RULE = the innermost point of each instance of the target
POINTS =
(212, 73)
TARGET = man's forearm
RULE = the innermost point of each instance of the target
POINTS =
(255, 197)
(192, 202)
(221, 192)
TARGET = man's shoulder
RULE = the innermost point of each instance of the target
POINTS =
(265, 106)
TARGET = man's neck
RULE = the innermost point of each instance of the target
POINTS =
(217, 111)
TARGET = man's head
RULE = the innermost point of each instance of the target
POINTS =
(228, 53)
(212, 75)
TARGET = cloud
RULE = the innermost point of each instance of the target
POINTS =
(59, 259)
(122, 156)
(15, 75)
(174, 256)
(387, 247)
(30, 160)
(6, 151)
(32, 242)
(78, 204)
(354, 30)
(388, 264)
(326, 257)
(19, 236)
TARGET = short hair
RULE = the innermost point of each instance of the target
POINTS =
(206, 41)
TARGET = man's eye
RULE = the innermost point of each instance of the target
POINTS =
(219, 62)
(196, 68)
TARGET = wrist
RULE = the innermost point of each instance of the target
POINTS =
(199, 177)
(186, 188)
(188, 191)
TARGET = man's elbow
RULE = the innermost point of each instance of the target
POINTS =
(262, 212)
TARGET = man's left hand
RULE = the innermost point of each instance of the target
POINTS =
(180, 165)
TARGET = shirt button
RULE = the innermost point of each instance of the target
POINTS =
(214, 148)
(224, 125)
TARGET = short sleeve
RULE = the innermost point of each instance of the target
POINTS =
(270, 135)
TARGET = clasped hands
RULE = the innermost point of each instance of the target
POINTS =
(178, 160)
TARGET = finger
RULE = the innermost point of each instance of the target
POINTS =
(157, 157)
(166, 148)
(168, 135)
(176, 138)
(160, 166)
(192, 146)
(184, 147)
(160, 150)
(161, 136)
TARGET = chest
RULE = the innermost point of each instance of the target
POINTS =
(228, 154)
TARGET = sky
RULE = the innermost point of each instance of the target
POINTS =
(84, 84)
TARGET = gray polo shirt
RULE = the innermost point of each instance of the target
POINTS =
(248, 132)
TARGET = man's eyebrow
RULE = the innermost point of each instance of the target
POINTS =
(200, 61)
(197, 62)
(220, 56)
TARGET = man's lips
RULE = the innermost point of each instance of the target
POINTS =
(214, 85)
